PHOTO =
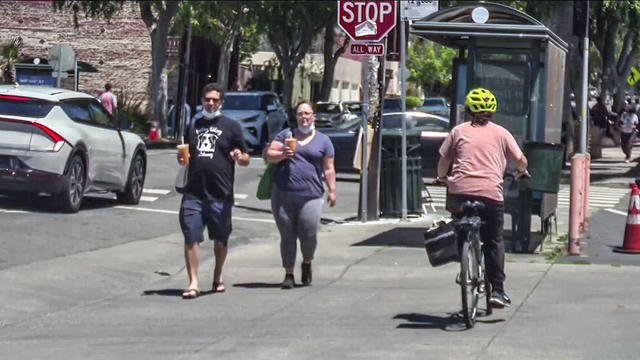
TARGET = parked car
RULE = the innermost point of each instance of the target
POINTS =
(259, 113)
(435, 105)
(433, 130)
(390, 105)
(66, 144)
(329, 114)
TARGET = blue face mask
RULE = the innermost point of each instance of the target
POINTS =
(306, 130)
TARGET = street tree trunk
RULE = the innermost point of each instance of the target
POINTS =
(330, 58)
(226, 47)
(158, 26)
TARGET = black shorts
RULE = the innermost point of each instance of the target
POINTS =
(196, 213)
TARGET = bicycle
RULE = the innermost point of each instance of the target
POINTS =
(473, 278)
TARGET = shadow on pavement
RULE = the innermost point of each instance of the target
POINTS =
(164, 292)
(400, 236)
(453, 322)
(258, 285)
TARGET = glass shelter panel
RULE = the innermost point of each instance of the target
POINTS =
(507, 73)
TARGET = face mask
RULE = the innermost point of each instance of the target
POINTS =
(211, 114)
(306, 130)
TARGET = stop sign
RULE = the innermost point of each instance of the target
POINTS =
(366, 20)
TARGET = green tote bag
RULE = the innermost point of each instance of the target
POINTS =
(264, 186)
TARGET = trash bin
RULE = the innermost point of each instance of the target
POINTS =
(391, 179)
(391, 186)
(545, 166)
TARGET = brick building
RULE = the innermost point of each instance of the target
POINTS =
(119, 49)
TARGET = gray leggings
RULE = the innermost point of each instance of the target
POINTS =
(297, 217)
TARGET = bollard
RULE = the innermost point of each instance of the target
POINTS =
(576, 202)
(587, 184)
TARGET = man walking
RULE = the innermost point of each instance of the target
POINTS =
(216, 143)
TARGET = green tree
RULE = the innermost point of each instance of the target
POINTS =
(222, 22)
(430, 65)
(289, 27)
(157, 16)
(9, 53)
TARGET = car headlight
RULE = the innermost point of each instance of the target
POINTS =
(251, 119)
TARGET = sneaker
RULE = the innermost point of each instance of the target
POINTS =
(306, 274)
(499, 300)
(288, 282)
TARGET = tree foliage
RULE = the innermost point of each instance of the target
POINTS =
(10, 53)
(289, 27)
(430, 65)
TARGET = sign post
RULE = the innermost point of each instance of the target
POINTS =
(366, 21)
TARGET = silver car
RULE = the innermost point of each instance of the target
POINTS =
(66, 144)
(258, 112)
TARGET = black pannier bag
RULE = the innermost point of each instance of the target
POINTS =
(441, 242)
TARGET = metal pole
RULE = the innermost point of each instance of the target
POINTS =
(183, 92)
(403, 90)
(365, 115)
(585, 86)
(59, 65)
(75, 73)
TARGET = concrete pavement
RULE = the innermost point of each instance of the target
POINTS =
(374, 296)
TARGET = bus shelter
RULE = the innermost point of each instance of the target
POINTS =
(523, 63)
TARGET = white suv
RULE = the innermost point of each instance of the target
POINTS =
(65, 143)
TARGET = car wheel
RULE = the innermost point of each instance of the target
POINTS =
(135, 182)
(69, 199)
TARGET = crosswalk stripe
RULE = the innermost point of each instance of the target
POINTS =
(156, 191)
(148, 198)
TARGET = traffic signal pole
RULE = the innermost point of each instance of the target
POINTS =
(403, 90)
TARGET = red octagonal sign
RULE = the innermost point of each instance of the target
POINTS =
(366, 20)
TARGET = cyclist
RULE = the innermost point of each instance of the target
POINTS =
(477, 152)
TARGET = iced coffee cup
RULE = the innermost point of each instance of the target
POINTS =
(183, 150)
(291, 144)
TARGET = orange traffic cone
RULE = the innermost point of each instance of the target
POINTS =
(631, 244)
(153, 132)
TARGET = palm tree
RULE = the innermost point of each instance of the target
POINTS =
(9, 53)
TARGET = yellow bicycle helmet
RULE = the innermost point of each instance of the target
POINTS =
(481, 100)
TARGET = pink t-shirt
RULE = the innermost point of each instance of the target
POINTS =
(479, 155)
(108, 101)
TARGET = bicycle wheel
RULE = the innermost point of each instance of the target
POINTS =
(469, 283)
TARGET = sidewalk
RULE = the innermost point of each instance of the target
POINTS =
(374, 296)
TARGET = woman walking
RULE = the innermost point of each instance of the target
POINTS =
(305, 160)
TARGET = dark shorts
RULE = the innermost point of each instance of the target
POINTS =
(196, 213)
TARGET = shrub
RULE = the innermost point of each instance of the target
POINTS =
(413, 102)
(130, 108)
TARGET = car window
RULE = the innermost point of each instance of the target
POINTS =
(434, 102)
(242, 102)
(328, 108)
(392, 104)
(354, 107)
(23, 106)
(99, 115)
(432, 124)
(395, 121)
(77, 110)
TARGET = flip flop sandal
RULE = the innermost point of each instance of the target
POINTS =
(218, 287)
(190, 294)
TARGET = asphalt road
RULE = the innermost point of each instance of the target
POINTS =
(33, 230)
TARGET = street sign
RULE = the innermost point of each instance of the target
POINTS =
(61, 57)
(366, 20)
(634, 76)
(366, 49)
(417, 9)
(62, 75)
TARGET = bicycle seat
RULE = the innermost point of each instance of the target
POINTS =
(471, 208)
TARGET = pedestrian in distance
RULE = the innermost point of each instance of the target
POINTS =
(601, 116)
(628, 127)
(477, 151)
(305, 159)
(108, 99)
(216, 144)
